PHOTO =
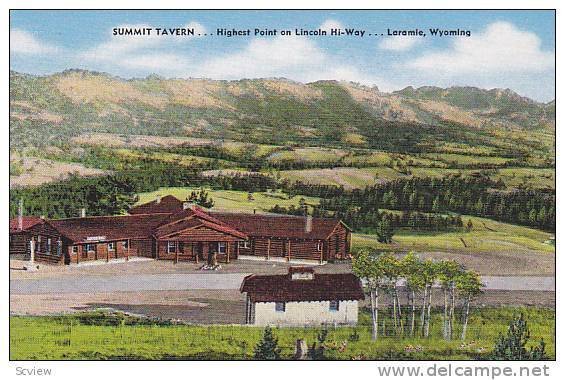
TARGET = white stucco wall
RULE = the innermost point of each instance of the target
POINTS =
(306, 314)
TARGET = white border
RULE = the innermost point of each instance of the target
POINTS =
(247, 370)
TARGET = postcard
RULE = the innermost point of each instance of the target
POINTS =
(284, 185)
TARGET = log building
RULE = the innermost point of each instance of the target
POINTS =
(169, 229)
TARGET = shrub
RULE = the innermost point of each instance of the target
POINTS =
(513, 345)
(267, 348)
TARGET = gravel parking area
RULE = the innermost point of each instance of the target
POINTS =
(182, 291)
(158, 267)
(211, 307)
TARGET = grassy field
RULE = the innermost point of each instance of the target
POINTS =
(354, 178)
(487, 235)
(80, 337)
(309, 154)
(231, 200)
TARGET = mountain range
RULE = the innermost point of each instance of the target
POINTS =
(49, 110)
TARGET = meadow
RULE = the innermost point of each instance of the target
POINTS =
(487, 235)
(232, 200)
(95, 337)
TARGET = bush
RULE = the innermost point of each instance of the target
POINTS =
(267, 348)
(513, 345)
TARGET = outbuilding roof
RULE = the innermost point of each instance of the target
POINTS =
(322, 287)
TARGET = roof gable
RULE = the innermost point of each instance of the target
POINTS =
(167, 204)
(192, 218)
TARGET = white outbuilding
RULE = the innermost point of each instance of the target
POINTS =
(302, 298)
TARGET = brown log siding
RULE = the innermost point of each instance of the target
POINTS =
(100, 251)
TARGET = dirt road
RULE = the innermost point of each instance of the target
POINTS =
(209, 281)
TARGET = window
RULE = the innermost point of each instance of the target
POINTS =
(319, 247)
(125, 244)
(85, 249)
(171, 247)
(111, 246)
(75, 248)
(48, 248)
(334, 305)
(244, 244)
(221, 247)
(280, 307)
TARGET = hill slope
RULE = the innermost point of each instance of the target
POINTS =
(50, 109)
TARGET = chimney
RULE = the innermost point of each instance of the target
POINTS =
(21, 215)
(301, 273)
(158, 199)
(254, 211)
(308, 225)
(83, 212)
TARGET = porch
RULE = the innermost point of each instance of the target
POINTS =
(205, 251)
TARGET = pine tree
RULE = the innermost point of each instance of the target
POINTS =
(479, 207)
(436, 204)
(513, 345)
(533, 217)
(267, 348)
(384, 231)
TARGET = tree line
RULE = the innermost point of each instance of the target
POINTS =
(116, 193)
(368, 221)
(478, 196)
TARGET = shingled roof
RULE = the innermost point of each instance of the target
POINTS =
(167, 216)
(167, 204)
(322, 287)
(27, 223)
(191, 218)
(279, 226)
(108, 227)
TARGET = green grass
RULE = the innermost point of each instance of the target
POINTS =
(180, 159)
(527, 177)
(73, 337)
(231, 200)
(351, 177)
(464, 159)
(309, 154)
(487, 235)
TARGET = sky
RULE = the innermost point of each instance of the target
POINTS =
(506, 49)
